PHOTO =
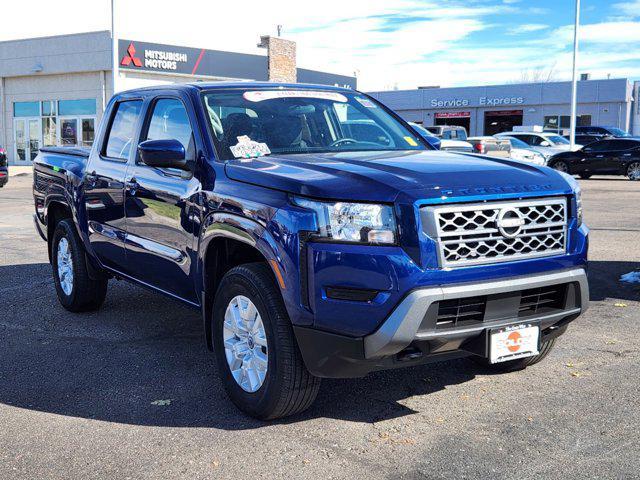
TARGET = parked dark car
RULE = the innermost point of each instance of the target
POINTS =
(4, 169)
(588, 139)
(587, 135)
(603, 131)
(614, 156)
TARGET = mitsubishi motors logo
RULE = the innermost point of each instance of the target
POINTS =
(130, 57)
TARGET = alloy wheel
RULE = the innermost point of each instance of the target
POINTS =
(65, 266)
(245, 344)
(561, 167)
(634, 171)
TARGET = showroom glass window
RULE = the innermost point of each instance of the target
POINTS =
(49, 123)
(77, 122)
(561, 123)
(52, 122)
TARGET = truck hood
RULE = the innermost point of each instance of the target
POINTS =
(383, 176)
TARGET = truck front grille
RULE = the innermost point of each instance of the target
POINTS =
(497, 232)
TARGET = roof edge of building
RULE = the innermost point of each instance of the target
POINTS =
(48, 37)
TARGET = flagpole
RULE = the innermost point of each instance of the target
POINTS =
(574, 85)
(114, 48)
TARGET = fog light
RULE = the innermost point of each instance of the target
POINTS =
(380, 236)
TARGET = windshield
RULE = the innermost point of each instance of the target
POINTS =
(558, 140)
(455, 135)
(422, 130)
(250, 123)
(517, 143)
(618, 133)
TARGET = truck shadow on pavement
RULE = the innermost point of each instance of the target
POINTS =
(141, 360)
(604, 281)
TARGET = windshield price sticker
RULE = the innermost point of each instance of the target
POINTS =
(259, 96)
(247, 148)
(365, 102)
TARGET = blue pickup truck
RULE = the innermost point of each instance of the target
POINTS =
(317, 232)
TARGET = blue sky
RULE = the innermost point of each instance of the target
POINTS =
(478, 42)
(390, 44)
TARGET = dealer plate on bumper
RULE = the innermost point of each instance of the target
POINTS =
(511, 343)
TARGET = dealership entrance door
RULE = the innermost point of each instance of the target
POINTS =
(501, 121)
(460, 119)
(26, 133)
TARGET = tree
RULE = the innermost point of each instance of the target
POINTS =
(538, 75)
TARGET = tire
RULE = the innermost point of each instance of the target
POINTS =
(519, 364)
(633, 171)
(287, 387)
(585, 176)
(82, 293)
(561, 167)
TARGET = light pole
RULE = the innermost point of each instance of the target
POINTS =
(574, 85)
(114, 48)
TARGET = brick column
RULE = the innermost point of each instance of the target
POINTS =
(282, 59)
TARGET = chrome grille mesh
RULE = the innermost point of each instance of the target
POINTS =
(495, 232)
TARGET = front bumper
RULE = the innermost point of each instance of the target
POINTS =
(4, 176)
(410, 335)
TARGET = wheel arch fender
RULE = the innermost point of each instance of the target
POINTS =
(236, 228)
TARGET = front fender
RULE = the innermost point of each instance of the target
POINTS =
(254, 234)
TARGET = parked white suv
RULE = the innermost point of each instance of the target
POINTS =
(453, 138)
(547, 143)
(525, 153)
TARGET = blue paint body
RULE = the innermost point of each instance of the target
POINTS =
(251, 201)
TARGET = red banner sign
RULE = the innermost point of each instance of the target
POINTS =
(453, 115)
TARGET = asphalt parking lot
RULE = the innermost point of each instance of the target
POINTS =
(131, 391)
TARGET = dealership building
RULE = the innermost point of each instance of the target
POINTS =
(492, 109)
(53, 90)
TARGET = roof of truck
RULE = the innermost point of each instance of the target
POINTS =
(221, 85)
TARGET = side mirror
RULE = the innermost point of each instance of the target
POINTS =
(163, 154)
(586, 149)
(545, 144)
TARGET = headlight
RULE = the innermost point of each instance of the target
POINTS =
(540, 160)
(579, 206)
(577, 191)
(353, 222)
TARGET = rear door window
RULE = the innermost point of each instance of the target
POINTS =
(120, 137)
(601, 146)
(625, 144)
